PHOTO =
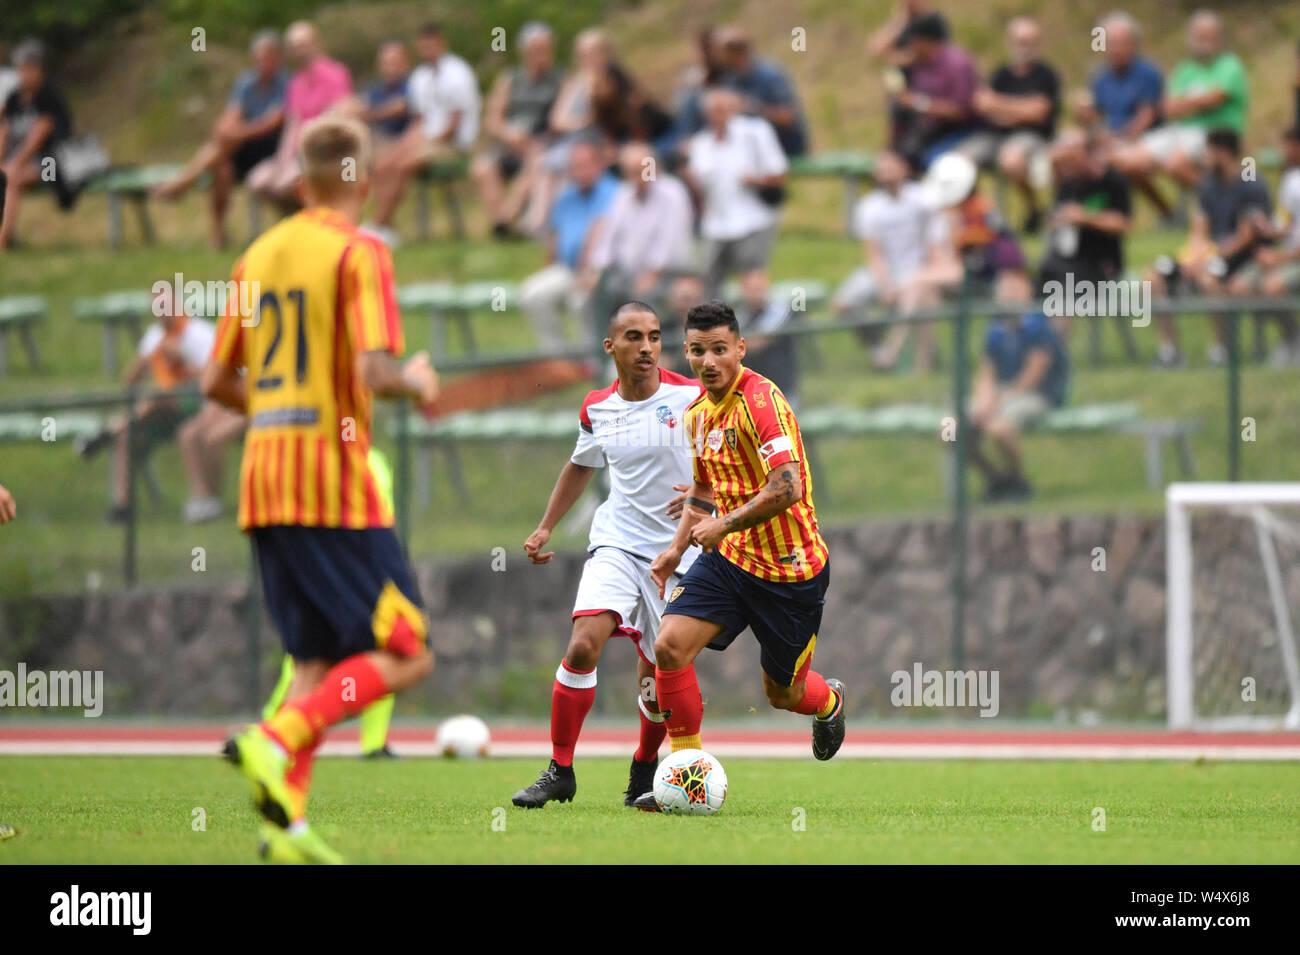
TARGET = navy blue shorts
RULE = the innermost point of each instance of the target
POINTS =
(785, 617)
(335, 592)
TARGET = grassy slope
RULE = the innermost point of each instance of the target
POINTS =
(111, 810)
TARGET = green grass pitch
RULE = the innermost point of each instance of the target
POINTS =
(143, 810)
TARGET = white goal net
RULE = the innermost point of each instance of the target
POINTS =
(1233, 605)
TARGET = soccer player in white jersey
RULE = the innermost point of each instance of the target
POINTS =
(636, 426)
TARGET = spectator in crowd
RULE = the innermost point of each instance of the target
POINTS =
(1020, 106)
(1024, 374)
(1232, 221)
(8, 75)
(1090, 216)
(246, 133)
(705, 72)
(773, 356)
(515, 118)
(901, 233)
(318, 85)
(737, 168)
(568, 279)
(571, 118)
(685, 291)
(645, 237)
(1124, 95)
(892, 41)
(936, 111)
(765, 89)
(623, 112)
(172, 352)
(386, 103)
(8, 509)
(445, 101)
(1209, 90)
(201, 441)
(1276, 269)
(34, 122)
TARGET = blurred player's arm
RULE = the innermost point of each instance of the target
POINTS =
(569, 486)
(8, 509)
(389, 378)
(224, 384)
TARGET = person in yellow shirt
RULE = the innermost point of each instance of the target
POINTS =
(322, 340)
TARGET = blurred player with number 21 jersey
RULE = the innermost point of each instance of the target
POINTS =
(324, 338)
(636, 426)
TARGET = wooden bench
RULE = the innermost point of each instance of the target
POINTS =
(446, 302)
(21, 314)
(128, 311)
(444, 175)
(130, 185)
(852, 167)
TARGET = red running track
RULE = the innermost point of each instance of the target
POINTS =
(32, 738)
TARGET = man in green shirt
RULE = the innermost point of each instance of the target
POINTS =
(1210, 90)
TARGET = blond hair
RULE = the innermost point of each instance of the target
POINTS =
(334, 155)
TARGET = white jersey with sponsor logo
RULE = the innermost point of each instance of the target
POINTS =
(645, 445)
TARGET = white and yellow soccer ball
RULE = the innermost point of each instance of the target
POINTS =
(690, 782)
(464, 737)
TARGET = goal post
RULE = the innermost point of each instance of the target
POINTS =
(1232, 566)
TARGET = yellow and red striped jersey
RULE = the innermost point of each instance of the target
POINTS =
(325, 294)
(737, 442)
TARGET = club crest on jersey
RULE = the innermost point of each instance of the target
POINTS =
(730, 435)
(665, 416)
(677, 592)
(714, 440)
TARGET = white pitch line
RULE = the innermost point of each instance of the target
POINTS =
(1004, 751)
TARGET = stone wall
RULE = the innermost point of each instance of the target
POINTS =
(1068, 640)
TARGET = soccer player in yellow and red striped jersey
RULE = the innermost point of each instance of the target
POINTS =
(765, 565)
(323, 338)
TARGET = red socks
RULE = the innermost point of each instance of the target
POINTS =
(679, 700)
(815, 696)
(653, 730)
(348, 688)
(571, 699)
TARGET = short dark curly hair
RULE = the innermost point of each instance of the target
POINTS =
(708, 315)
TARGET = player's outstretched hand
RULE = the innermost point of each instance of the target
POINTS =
(419, 374)
(536, 541)
(663, 568)
(678, 504)
(8, 509)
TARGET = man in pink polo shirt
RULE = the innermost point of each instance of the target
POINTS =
(318, 85)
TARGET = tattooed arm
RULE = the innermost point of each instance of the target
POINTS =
(784, 487)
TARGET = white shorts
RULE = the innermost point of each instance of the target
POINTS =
(1162, 143)
(614, 580)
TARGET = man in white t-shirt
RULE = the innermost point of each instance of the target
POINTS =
(636, 426)
(444, 98)
(901, 233)
(1275, 272)
(172, 352)
(738, 169)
